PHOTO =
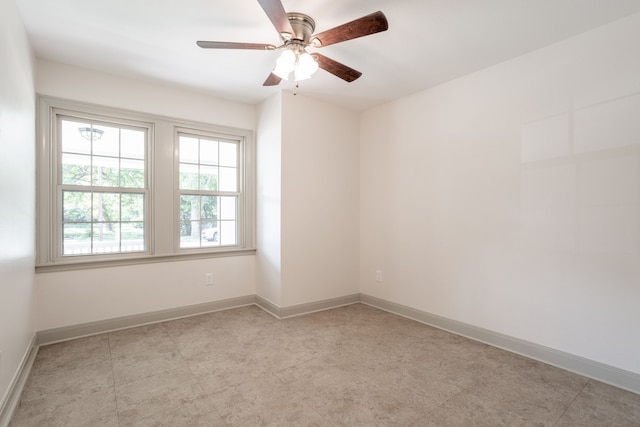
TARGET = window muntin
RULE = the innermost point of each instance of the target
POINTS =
(209, 191)
(102, 187)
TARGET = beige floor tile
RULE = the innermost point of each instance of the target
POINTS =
(70, 382)
(243, 316)
(146, 397)
(80, 409)
(229, 367)
(261, 403)
(277, 355)
(600, 404)
(134, 340)
(349, 399)
(195, 413)
(206, 347)
(51, 358)
(136, 366)
(191, 330)
(465, 413)
(350, 366)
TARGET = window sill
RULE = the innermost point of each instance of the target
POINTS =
(91, 264)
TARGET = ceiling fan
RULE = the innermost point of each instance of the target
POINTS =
(296, 32)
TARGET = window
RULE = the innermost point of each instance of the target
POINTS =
(102, 187)
(209, 196)
(104, 194)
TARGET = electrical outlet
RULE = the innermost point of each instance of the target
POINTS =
(378, 276)
(208, 279)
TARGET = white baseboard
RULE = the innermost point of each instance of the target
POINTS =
(300, 309)
(589, 368)
(51, 336)
(12, 396)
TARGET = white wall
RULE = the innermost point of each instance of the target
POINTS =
(308, 201)
(75, 297)
(81, 296)
(17, 194)
(268, 209)
(66, 81)
(509, 199)
(320, 203)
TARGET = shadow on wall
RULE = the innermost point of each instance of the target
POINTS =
(580, 179)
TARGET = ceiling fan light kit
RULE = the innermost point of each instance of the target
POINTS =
(296, 33)
(298, 61)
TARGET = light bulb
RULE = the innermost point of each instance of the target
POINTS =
(285, 64)
(305, 66)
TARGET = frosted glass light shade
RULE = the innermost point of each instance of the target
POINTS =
(305, 67)
(285, 64)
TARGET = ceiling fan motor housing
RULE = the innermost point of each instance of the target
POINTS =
(303, 27)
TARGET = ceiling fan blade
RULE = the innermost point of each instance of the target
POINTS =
(347, 74)
(272, 80)
(232, 45)
(370, 24)
(276, 13)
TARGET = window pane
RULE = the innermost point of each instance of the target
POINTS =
(210, 235)
(132, 207)
(132, 234)
(209, 206)
(106, 207)
(186, 241)
(190, 219)
(106, 237)
(228, 154)
(132, 173)
(76, 239)
(208, 152)
(228, 208)
(106, 171)
(188, 177)
(107, 144)
(76, 169)
(188, 150)
(228, 233)
(208, 178)
(76, 206)
(132, 144)
(228, 180)
(72, 140)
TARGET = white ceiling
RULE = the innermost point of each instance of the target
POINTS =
(428, 41)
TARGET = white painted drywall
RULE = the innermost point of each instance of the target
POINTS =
(320, 201)
(79, 84)
(509, 199)
(75, 297)
(81, 296)
(17, 194)
(269, 201)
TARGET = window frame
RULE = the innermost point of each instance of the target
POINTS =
(162, 216)
(240, 176)
(57, 247)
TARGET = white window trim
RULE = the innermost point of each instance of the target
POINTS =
(163, 213)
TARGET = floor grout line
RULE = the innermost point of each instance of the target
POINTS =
(571, 403)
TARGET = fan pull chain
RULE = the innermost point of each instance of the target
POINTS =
(295, 89)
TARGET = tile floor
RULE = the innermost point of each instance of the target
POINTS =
(350, 366)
